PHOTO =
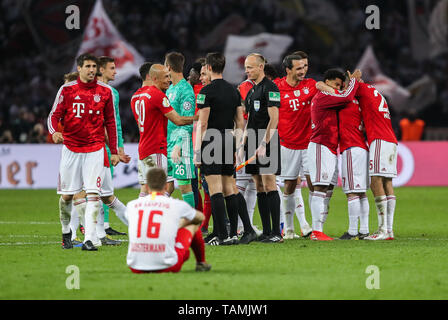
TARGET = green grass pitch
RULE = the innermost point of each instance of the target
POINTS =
(415, 266)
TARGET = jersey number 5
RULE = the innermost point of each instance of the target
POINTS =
(153, 227)
(140, 112)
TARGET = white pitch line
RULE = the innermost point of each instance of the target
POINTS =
(27, 243)
(29, 222)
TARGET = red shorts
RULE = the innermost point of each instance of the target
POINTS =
(183, 237)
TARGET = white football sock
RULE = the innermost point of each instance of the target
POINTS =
(289, 204)
(381, 210)
(317, 208)
(74, 221)
(364, 217)
(391, 202)
(92, 209)
(100, 228)
(65, 210)
(251, 199)
(120, 210)
(354, 211)
(300, 209)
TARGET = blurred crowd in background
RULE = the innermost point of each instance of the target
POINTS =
(31, 76)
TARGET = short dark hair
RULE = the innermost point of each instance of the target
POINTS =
(86, 57)
(144, 69)
(296, 55)
(216, 60)
(270, 71)
(201, 61)
(156, 179)
(332, 74)
(72, 76)
(104, 60)
(197, 67)
(175, 61)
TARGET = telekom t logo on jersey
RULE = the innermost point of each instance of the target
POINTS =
(78, 108)
(294, 103)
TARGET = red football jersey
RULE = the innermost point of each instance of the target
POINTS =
(375, 114)
(294, 125)
(85, 109)
(149, 105)
(244, 89)
(324, 119)
(351, 127)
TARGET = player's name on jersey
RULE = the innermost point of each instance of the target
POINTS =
(147, 247)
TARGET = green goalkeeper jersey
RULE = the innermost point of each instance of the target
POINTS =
(182, 99)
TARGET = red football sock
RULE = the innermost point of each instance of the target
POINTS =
(207, 210)
(199, 204)
(198, 246)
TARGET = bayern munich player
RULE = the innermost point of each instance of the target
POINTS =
(85, 107)
(382, 157)
(322, 149)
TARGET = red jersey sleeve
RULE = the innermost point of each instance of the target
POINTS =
(111, 124)
(331, 100)
(57, 112)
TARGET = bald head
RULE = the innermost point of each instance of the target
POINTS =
(160, 77)
(254, 67)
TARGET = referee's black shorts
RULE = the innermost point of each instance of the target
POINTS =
(221, 165)
(269, 165)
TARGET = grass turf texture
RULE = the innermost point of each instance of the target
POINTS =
(33, 265)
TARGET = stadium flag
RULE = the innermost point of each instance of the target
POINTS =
(396, 95)
(418, 13)
(438, 29)
(271, 46)
(101, 38)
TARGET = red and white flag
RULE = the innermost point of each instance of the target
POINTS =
(101, 38)
(270, 46)
(372, 74)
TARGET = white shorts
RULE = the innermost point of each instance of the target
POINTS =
(322, 165)
(242, 175)
(294, 163)
(156, 160)
(383, 159)
(78, 171)
(107, 189)
(355, 178)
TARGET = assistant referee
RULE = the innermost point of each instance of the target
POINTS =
(261, 138)
(220, 112)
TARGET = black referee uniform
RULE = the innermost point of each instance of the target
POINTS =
(223, 100)
(262, 96)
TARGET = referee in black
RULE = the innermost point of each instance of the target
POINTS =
(220, 118)
(261, 139)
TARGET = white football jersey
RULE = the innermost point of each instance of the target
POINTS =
(153, 224)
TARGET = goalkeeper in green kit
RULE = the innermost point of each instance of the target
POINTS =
(180, 142)
(107, 71)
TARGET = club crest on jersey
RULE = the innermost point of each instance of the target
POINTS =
(256, 105)
(97, 98)
(297, 93)
(306, 90)
(187, 105)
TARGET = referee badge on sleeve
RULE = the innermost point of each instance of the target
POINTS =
(257, 105)
(274, 96)
(200, 99)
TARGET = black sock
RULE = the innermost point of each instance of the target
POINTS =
(274, 208)
(244, 215)
(232, 212)
(263, 208)
(219, 214)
